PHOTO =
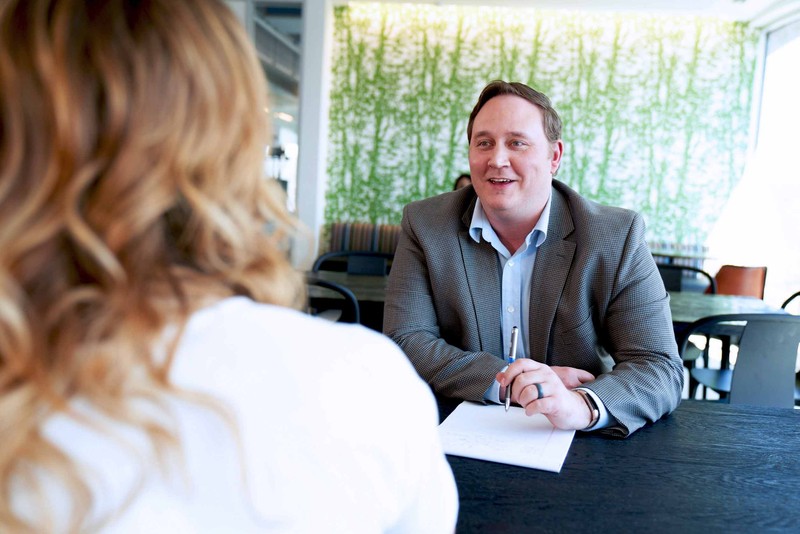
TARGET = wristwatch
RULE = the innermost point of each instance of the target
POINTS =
(592, 407)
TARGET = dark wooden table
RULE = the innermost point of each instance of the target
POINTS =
(706, 468)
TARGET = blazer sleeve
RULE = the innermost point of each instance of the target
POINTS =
(636, 330)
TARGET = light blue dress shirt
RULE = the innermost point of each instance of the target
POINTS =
(517, 273)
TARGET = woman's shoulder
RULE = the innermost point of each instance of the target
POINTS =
(240, 335)
(242, 319)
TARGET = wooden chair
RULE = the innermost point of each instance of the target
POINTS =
(739, 280)
(355, 262)
(764, 372)
(338, 303)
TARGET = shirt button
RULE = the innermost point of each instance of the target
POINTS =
(511, 263)
(510, 309)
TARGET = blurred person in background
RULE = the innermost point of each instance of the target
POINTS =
(463, 180)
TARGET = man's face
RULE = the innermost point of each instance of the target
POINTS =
(510, 159)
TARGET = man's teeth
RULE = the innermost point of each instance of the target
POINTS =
(499, 181)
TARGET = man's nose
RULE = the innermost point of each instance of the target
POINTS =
(499, 157)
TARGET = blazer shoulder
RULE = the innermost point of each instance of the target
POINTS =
(590, 213)
(450, 206)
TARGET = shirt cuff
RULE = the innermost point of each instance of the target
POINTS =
(493, 393)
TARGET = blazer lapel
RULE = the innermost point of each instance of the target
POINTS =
(483, 276)
(550, 272)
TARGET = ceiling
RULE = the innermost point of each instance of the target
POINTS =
(730, 9)
(286, 16)
(733, 9)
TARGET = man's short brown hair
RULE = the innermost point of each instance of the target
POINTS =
(551, 120)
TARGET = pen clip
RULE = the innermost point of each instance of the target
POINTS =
(512, 353)
(512, 356)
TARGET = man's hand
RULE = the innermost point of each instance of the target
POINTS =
(553, 397)
(572, 377)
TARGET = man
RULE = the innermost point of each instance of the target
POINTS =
(518, 248)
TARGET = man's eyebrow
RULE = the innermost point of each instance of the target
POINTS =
(483, 133)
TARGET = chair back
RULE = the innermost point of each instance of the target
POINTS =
(355, 262)
(686, 278)
(744, 281)
(338, 298)
(791, 304)
(764, 373)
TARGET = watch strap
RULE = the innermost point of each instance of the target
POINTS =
(587, 398)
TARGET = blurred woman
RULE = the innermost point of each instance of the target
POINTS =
(463, 180)
(153, 374)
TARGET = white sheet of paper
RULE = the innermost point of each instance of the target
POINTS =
(488, 432)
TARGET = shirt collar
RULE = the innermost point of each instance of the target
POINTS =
(480, 224)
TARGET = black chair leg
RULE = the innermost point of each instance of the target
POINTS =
(693, 383)
(726, 359)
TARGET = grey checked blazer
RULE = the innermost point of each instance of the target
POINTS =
(597, 303)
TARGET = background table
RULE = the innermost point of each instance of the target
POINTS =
(369, 290)
(366, 287)
(708, 467)
(686, 307)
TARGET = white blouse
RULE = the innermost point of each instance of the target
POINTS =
(337, 431)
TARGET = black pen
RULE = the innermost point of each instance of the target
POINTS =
(512, 356)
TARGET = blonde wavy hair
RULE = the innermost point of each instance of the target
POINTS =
(132, 138)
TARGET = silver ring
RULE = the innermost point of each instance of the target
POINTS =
(539, 392)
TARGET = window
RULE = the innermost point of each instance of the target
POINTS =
(760, 223)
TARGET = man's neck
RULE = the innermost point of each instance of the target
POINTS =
(512, 231)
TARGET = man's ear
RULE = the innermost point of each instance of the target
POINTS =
(555, 160)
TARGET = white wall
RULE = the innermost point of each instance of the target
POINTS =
(313, 124)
